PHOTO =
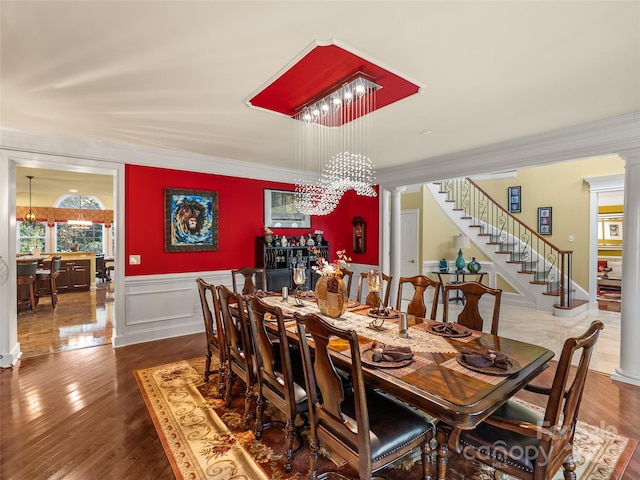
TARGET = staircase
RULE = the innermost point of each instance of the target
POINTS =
(537, 269)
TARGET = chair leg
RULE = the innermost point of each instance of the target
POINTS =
(207, 366)
(229, 384)
(314, 448)
(54, 293)
(222, 372)
(248, 401)
(426, 450)
(443, 452)
(289, 435)
(32, 295)
(569, 468)
(259, 412)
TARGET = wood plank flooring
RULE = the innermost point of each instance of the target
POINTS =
(80, 415)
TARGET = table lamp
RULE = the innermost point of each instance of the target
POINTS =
(460, 242)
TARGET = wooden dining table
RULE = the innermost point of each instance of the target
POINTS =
(435, 380)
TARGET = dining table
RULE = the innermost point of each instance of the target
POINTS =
(436, 380)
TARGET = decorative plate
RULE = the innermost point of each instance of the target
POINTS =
(460, 330)
(367, 359)
(392, 314)
(514, 367)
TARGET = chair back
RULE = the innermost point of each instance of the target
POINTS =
(273, 356)
(326, 391)
(56, 261)
(252, 280)
(372, 298)
(99, 262)
(567, 388)
(212, 318)
(27, 269)
(237, 337)
(417, 306)
(347, 276)
(470, 315)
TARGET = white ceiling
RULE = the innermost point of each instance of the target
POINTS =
(176, 74)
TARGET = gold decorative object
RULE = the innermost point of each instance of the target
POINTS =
(331, 294)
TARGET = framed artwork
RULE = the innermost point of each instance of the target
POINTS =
(544, 220)
(515, 199)
(190, 220)
(613, 230)
(280, 210)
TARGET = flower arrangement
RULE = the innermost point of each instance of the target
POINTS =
(333, 269)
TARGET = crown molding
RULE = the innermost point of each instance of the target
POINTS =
(602, 137)
(90, 149)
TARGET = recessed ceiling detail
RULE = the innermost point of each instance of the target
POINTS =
(321, 67)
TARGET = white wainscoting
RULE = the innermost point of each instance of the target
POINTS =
(163, 306)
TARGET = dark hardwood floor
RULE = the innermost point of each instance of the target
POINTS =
(80, 415)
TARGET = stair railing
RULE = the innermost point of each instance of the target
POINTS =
(548, 264)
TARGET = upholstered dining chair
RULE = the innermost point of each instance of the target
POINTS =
(417, 306)
(368, 428)
(279, 374)
(470, 315)
(520, 442)
(239, 348)
(215, 332)
(47, 278)
(26, 275)
(252, 279)
(371, 298)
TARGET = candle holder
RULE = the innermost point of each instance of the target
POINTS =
(299, 278)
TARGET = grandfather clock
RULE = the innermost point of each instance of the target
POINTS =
(359, 235)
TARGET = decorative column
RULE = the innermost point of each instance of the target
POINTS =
(629, 369)
(385, 222)
(395, 239)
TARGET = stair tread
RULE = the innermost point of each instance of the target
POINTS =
(574, 303)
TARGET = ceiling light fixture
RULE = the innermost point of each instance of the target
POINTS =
(331, 90)
(335, 142)
(30, 217)
(80, 222)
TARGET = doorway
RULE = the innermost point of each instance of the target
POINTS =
(81, 319)
(409, 251)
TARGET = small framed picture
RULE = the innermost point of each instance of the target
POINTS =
(515, 199)
(544, 220)
(280, 210)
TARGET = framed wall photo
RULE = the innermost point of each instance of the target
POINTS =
(613, 231)
(280, 210)
(515, 199)
(190, 220)
(544, 220)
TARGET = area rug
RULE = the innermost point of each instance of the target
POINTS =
(205, 440)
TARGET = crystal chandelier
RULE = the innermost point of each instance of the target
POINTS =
(30, 217)
(335, 143)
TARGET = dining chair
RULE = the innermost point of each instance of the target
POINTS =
(252, 279)
(366, 427)
(101, 271)
(347, 276)
(416, 305)
(215, 332)
(279, 374)
(239, 348)
(470, 315)
(47, 277)
(372, 299)
(521, 442)
(26, 275)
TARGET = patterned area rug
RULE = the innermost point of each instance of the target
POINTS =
(205, 440)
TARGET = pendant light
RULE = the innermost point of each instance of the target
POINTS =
(80, 222)
(31, 216)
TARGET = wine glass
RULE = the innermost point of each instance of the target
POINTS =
(299, 278)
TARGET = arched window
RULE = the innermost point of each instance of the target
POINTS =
(79, 238)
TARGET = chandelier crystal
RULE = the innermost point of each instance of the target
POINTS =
(335, 143)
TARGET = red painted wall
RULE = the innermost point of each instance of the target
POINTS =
(240, 220)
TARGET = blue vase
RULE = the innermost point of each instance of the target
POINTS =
(473, 267)
(460, 263)
(444, 267)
